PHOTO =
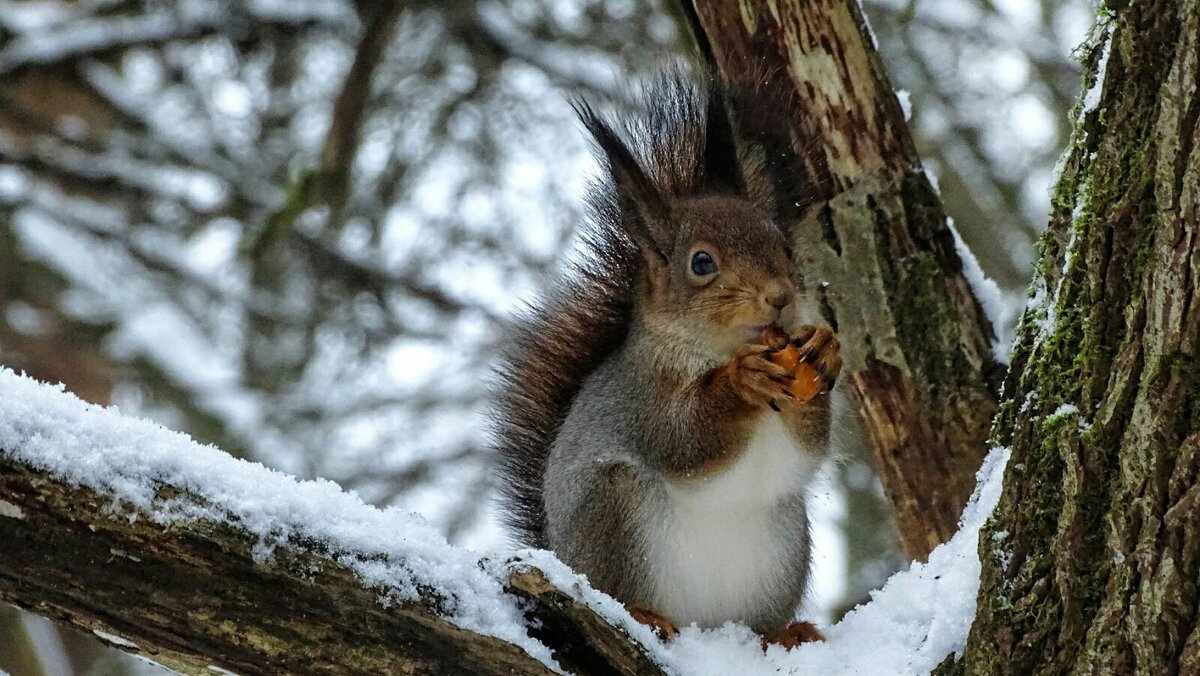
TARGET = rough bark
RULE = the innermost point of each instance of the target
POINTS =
(1092, 560)
(875, 250)
(191, 594)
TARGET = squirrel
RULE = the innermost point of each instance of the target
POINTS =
(645, 433)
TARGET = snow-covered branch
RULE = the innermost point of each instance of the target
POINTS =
(183, 554)
(188, 556)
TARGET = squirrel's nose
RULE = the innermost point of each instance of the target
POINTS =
(779, 296)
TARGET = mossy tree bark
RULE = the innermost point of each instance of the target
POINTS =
(1091, 563)
(875, 250)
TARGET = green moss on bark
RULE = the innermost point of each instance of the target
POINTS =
(1098, 575)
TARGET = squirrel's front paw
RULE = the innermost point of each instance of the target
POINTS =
(819, 347)
(758, 380)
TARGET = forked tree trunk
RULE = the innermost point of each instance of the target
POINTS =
(919, 360)
(1092, 561)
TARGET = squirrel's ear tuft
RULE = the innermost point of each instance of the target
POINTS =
(643, 208)
(721, 168)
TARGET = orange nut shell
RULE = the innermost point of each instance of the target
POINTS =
(806, 385)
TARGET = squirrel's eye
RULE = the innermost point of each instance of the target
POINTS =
(703, 264)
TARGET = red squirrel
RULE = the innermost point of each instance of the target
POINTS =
(650, 431)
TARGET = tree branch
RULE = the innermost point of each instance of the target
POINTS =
(190, 577)
(341, 141)
(329, 182)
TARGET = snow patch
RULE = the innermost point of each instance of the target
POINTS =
(129, 459)
(1091, 98)
(1001, 313)
(1043, 305)
(905, 103)
(866, 22)
(115, 640)
(1065, 410)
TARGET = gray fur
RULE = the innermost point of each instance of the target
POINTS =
(605, 483)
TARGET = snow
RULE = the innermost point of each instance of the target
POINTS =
(1000, 312)
(920, 615)
(1066, 410)
(1042, 305)
(1063, 410)
(905, 103)
(1091, 98)
(866, 22)
(114, 639)
(912, 623)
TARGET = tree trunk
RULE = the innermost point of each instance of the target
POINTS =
(1092, 560)
(875, 250)
(192, 594)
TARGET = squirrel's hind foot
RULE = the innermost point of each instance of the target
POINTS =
(793, 635)
(660, 624)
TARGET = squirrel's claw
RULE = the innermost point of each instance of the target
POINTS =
(820, 348)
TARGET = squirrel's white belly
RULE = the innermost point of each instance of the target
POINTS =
(725, 540)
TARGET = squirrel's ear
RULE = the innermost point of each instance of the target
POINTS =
(721, 169)
(643, 208)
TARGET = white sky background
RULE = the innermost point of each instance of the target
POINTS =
(548, 158)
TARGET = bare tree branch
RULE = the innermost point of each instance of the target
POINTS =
(329, 182)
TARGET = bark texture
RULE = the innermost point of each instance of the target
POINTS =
(1092, 560)
(874, 249)
(191, 594)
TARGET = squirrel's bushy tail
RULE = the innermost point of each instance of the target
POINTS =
(578, 323)
(585, 315)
